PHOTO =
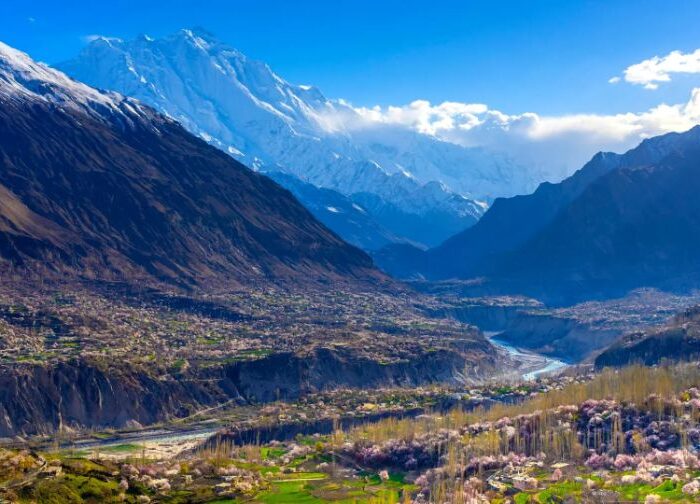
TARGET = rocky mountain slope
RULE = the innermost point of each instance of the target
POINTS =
(678, 340)
(247, 110)
(621, 222)
(102, 186)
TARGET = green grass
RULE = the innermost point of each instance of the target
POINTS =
(252, 466)
(55, 492)
(637, 492)
(72, 453)
(504, 390)
(668, 490)
(271, 453)
(289, 492)
(209, 341)
(522, 498)
(315, 487)
(298, 461)
(310, 440)
(397, 477)
(178, 365)
(122, 448)
(301, 476)
(92, 489)
(102, 435)
(80, 465)
(558, 491)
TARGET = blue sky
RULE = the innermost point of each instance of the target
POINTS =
(552, 57)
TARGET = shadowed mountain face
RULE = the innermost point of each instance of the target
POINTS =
(635, 226)
(507, 224)
(96, 184)
(678, 340)
(619, 223)
(340, 213)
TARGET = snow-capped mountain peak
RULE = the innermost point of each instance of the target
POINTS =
(240, 105)
(22, 78)
(20, 75)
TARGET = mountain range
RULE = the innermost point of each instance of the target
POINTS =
(621, 222)
(402, 179)
(98, 185)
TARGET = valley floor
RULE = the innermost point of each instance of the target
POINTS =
(108, 355)
(110, 394)
(617, 436)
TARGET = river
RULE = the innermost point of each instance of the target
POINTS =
(533, 364)
(530, 365)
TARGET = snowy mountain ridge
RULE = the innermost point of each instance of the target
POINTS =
(22, 78)
(243, 107)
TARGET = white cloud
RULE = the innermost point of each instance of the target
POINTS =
(614, 80)
(556, 144)
(426, 118)
(650, 72)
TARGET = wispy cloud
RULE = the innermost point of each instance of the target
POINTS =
(650, 72)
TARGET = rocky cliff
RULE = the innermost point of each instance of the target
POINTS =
(42, 398)
(678, 340)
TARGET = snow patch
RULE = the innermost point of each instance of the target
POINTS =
(22, 78)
